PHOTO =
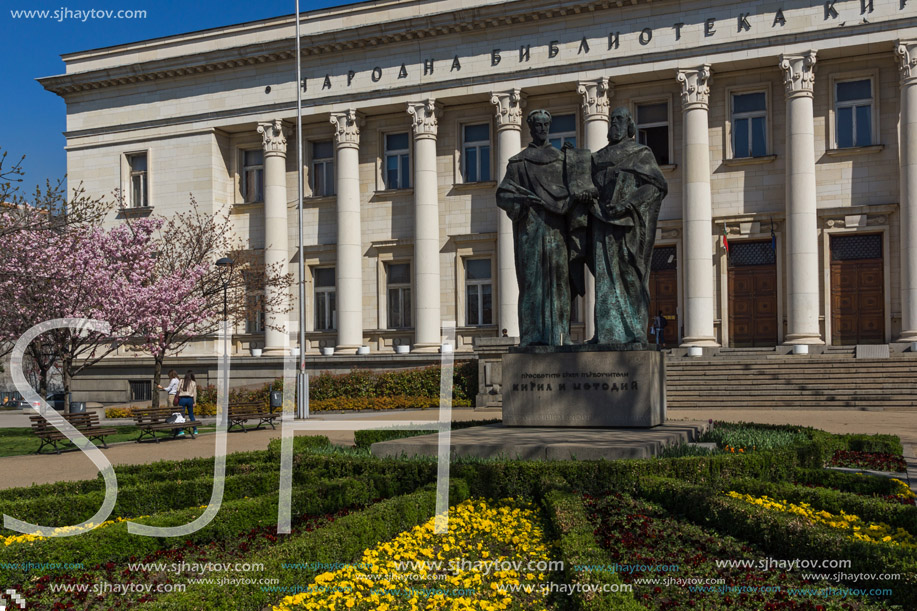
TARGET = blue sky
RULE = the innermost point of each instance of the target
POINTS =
(31, 119)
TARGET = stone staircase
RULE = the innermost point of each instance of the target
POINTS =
(759, 378)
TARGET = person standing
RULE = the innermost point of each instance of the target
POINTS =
(172, 388)
(659, 325)
(186, 395)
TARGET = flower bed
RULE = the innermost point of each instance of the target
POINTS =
(643, 535)
(480, 533)
(874, 532)
(669, 511)
(874, 461)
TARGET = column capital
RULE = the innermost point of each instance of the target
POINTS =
(424, 114)
(274, 137)
(695, 87)
(509, 108)
(347, 124)
(906, 51)
(798, 73)
(596, 98)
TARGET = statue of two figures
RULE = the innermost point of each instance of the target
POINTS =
(572, 208)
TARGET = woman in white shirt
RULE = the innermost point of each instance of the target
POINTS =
(172, 388)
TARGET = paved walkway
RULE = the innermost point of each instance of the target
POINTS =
(16, 471)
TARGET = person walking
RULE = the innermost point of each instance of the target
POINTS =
(172, 388)
(187, 392)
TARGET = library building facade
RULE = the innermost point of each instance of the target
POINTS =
(787, 132)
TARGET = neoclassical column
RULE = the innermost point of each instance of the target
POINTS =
(276, 226)
(349, 265)
(697, 210)
(509, 142)
(801, 216)
(427, 317)
(596, 95)
(907, 63)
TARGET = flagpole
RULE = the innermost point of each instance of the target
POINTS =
(302, 381)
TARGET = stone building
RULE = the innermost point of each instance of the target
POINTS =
(787, 129)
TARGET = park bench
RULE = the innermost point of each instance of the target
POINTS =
(240, 413)
(85, 423)
(152, 419)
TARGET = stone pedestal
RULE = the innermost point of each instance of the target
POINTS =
(490, 352)
(583, 386)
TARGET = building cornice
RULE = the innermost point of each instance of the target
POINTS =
(368, 36)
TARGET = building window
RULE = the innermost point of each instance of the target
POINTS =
(563, 130)
(140, 390)
(322, 168)
(476, 153)
(478, 293)
(325, 308)
(139, 192)
(397, 161)
(399, 295)
(254, 302)
(853, 113)
(749, 125)
(253, 176)
(576, 309)
(653, 129)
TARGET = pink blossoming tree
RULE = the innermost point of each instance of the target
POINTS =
(80, 271)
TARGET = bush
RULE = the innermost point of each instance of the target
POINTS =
(784, 534)
(575, 541)
(423, 382)
(379, 403)
(366, 438)
(113, 543)
(832, 501)
(342, 541)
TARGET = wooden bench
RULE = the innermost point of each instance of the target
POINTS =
(152, 419)
(85, 423)
(240, 413)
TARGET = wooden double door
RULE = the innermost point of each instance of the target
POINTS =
(857, 290)
(664, 292)
(752, 295)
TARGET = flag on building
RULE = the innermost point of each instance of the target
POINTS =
(725, 239)
(773, 238)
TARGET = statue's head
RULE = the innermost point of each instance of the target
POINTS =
(620, 125)
(539, 125)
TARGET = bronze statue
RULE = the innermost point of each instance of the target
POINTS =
(622, 231)
(540, 193)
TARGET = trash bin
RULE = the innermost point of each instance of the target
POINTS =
(276, 399)
(77, 407)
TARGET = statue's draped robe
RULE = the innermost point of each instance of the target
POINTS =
(535, 197)
(623, 229)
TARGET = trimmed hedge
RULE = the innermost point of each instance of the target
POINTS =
(380, 403)
(113, 543)
(422, 382)
(366, 438)
(575, 541)
(857, 483)
(832, 501)
(498, 479)
(342, 541)
(784, 534)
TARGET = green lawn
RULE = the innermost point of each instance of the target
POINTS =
(19, 441)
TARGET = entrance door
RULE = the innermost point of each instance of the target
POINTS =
(664, 292)
(857, 290)
(752, 294)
